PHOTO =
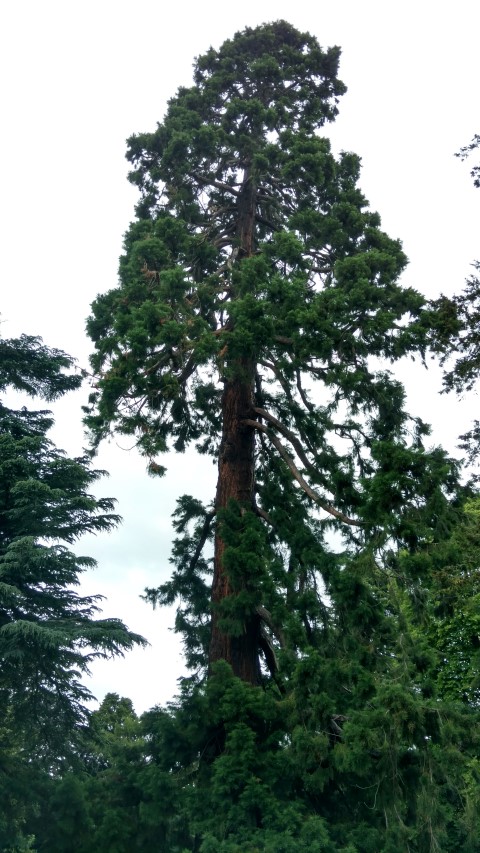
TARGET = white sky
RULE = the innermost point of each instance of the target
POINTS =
(78, 79)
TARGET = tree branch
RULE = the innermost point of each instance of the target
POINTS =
(266, 222)
(288, 434)
(271, 365)
(312, 494)
(212, 182)
(286, 388)
(263, 514)
(308, 405)
(269, 652)
(202, 540)
(294, 440)
(266, 617)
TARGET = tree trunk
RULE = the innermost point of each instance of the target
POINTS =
(235, 481)
(236, 472)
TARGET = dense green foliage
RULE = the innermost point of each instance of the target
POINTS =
(328, 596)
(259, 302)
(48, 632)
(394, 775)
(297, 299)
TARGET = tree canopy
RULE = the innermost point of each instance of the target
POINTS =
(257, 294)
(257, 314)
(332, 705)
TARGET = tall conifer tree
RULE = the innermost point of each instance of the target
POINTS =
(256, 291)
(48, 631)
(258, 304)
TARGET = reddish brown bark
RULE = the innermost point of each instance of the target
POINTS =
(236, 470)
(235, 481)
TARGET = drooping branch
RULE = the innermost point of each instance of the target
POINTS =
(263, 514)
(288, 434)
(306, 402)
(203, 538)
(311, 493)
(293, 439)
(188, 369)
(222, 240)
(266, 617)
(266, 222)
(269, 652)
(272, 365)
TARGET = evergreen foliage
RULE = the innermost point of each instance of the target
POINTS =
(466, 152)
(256, 293)
(258, 306)
(455, 331)
(49, 633)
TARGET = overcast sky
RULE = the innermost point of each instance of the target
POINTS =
(78, 79)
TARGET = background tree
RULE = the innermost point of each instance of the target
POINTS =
(48, 632)
(458, 319)
(446, 617)
(95, 805)
(257, 306)
(465, 152)
(455, 330)
(119, 798)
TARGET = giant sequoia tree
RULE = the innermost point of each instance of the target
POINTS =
(255, 292)
(258, 306)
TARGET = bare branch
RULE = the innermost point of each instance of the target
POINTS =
(188, 369)
(286, 388)
(317, 371)
(293, 438)
(222, 240)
